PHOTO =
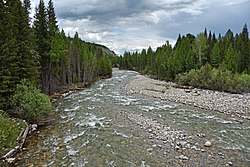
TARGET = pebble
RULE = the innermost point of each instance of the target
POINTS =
(206, 99)
(182, 157)
(182, 143)
(150, 149)
(207, 144)
(151, 136)
(10, 160)
(177, 147)
(230, 163)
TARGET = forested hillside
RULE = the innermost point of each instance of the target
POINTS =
(39, 53)
(205, 61)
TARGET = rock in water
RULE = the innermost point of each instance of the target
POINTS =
(208, 144)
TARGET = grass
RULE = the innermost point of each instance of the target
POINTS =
(9, 132)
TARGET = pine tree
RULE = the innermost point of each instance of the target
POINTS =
(6, 55)
(244, 62)
(43, 46)
(27, 6)
(229, 61)
(52, 21)
(215, 58)
(18, 59)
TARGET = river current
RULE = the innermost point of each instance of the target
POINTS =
(102, 126)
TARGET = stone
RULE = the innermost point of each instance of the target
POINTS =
(207, 144)
(10, 160)
(34, 127)
(177, 147)
(151, 136)
(230, 163)
(150, 149)
(182, 157)
(188, 146)
(182, 143)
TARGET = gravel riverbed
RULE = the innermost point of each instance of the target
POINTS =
(235, 105)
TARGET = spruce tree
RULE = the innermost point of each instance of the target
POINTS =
(215, 57)
(244, 62)
(27, 6)
(43, 45)
(52, 21)
(18, 59)
(229, 61)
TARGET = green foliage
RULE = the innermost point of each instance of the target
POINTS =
(215, 58)
(244, 60)
(230, 62)
(29, 102)
(52, 22)
(17, 57)
(105, 67)
(203, 61)
(9, 131)
(216, 79)
(200, 47)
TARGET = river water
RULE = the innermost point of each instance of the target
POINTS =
(104, 126)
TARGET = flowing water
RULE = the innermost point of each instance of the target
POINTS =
(101, 126)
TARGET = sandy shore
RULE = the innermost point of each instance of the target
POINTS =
(235, 105)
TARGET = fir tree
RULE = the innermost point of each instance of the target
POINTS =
(230, 62)
(244, 62)
(52, 21)
(215, 58)
(18, 59)
(43, 45)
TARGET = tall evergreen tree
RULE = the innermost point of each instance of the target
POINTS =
(43, 46)
(215, 57)
(244, 62)
(27, 6)
(18, 59)
(230, 62)
(52, 21)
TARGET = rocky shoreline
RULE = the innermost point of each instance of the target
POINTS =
(235, 105)
(179, 147)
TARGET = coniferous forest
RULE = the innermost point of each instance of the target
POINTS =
(205, 61)
(36, 56)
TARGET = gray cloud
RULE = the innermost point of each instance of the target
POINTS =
(132, 25)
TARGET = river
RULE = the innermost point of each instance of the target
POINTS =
(104, 126)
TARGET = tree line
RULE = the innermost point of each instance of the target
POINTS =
(206, 61)
(38, 53)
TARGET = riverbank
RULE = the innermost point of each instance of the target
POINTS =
(12, 136)
(235, 105)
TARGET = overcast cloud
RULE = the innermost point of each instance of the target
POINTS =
(135, 24)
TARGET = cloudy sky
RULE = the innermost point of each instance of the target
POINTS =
(129, 25)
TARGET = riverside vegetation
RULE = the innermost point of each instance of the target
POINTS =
(204, 61)
(38, 60)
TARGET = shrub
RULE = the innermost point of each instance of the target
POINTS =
(9, 131)
(30, 103)
(216, 79)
